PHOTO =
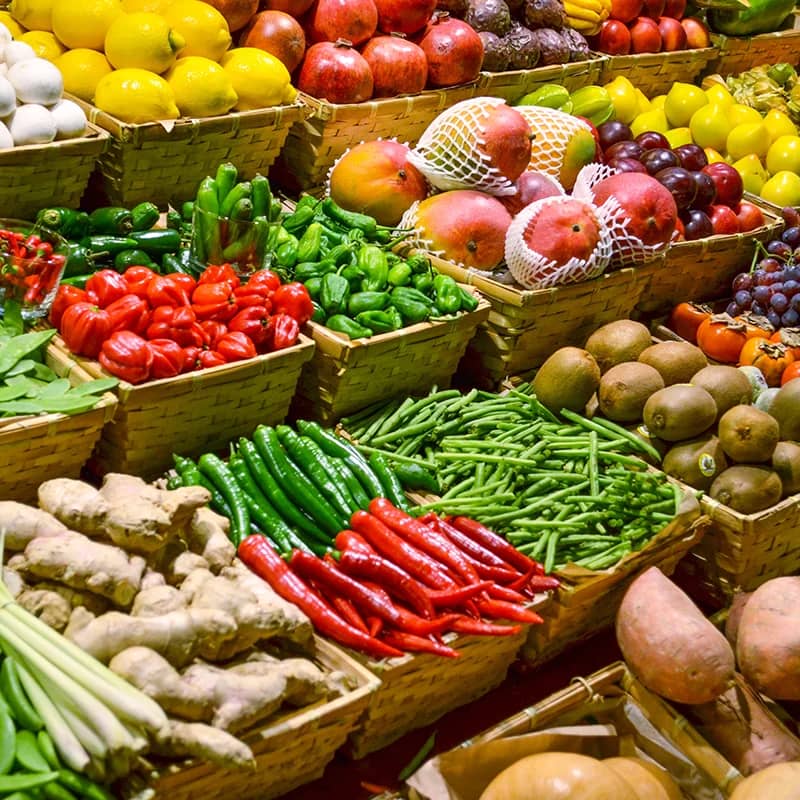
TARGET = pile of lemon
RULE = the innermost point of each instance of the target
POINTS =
(148, 60)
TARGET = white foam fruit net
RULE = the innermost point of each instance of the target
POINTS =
(416, 238)
(450, 153)
(551, 132)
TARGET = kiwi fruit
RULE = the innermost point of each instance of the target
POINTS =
(746, 488)
(680, 411)
(640, 431)
(617, 342)
(728, 386)
(748, 434)
(568, 379)
(786, 462)
(764, 400)
(758, 383)
(677, 362)
(785, 408)
(696, 462)
(624, 390)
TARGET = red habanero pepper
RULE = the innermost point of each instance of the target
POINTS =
(500, 609)
(475, 551)
(127, 356)
(248, 295)
(129, 313)
(168, 358)
(66, 296)
(107, 286)
(164, 290)
(217, 273)
(457, 597)
(293, 299)
(213, 330)
(264, 279)
(478, 627)
(84, 328)
(180, 324)
(210, 358)
(494, 542)
(417, 644)
(137, 279)
(214, 301)
(191, 358)
(186, 281)
(262, 559)
(287, 329)
(256, 323)
(236, 346)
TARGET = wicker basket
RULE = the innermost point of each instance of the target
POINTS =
(344, 376)
(40, 175)
(524, 327)
(654, 73)
(36, 449)
(289, 752)
(416, 690)
(193, 413)
(739, 53)
(165, 162)
(314, 143)
(513, 85)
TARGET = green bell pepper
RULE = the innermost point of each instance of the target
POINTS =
(423, 282)
(334, 293)
(310, 242)
(763, 16)
(132, 258)
(468, 300)
(377, 321)
(412, 305)
(395, 316)
(144, 216)
(372, 261)
(307, 270)
(367, 301)
(419, 263)
(319, 314)
(448, 295)
(342, 324)
(400, 274)
(354, 277)
(314, 287)
(286, 253)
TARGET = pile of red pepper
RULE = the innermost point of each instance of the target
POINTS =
(29, 269)
(144, 326)
(400, 583)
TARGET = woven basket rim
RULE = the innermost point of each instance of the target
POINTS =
(720, 39)
(32, 422)
(700, 54)
(558, 70)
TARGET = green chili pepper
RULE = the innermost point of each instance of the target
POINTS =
(334, 293)
(225, 180)
(313, 287)
(78, 281)
(171, 263)
(132, 258)
(275, 210)
(415, 476)
(175, 220)
(350, 219)
(342, 254)
(282, 236)
(395, 316)
(412, 304)
(419, 263)
(448, 295)
(354, 277)
(239, 192)
(377, 321)
(158, 241)
(109, 245)
(392, 489)
(286, 253)
(468, 300)
(372, 261)
(367, 301)
(187, 210)
(422, 282)
(207, 198)
(242, 210)
(261, 196)
(310, 242)
(319, 314)
(69, 223)
(304, 271)
(110, 221)
(218, 473)
(400, 274)
(300, 218)
(342, 324)
(144, 216)
(78, 260)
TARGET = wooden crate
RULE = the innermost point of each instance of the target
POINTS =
(165, 162)
(654, 73)
(347, 375)
(39, 175)
(37, 449)
(737, 54)
(193, 413)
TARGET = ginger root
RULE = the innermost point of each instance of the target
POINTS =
(76, 504)
(185, 565)
(207, 535)
(157, 600)
(23, 523)
(14, 582)
(181, 739)
(53, 603)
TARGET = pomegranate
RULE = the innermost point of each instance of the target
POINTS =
(375, 178)
(531, 186)
(237, 13)
(294, 7)
(398, 66)
(465, 226)
(453, 49)
(564, 230)
(279, 34)
(335, 72)
(331, 20)
(404, 16)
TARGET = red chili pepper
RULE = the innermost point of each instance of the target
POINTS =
(494, 542)
(191, 358)
(66, 296)
(236, 346)
(107, 286)
(127, 356)
(34, 292)
(496, 574)
(164, 290)
(509, 595)
(478, 627)
(264, 278)
(425, 538)
(417, 644)
(186, 281)
(418, 564)
(248, 295)
(467, 546)
(350, 540)
(455, 597)
(543, 583)
(210, 358)
(293, 299)
(287, 329)
(168, 358)
(138, 279)
(180, 324)
(256, 323)
(372, 567)
(500, 609)
(347, 611)
(129, 313)
(375, 625)
(219, 273)
(213, 330)
(214, 301)
(84, 328)
(262, 559)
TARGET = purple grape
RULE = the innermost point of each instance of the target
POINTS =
(734, 309)
(792, 273)
(794, 303)
(761, 294)
(743, 281)
(774, 317)
(743, 299)
(790, 318)
(759, 275)
(770, 264)
(776, 288)
(772, 278)
(757, 308)
(791, 236)
(780, 249)
(790, 286)
(779, 302)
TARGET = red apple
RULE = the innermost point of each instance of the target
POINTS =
(696, 33)
(653, 9)
(749, 215)
(723, 219)
(727, 181)
(626, 10)
(645, 36)
(614, 38)
(675, 8)
(673, 36)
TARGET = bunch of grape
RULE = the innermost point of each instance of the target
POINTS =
(772, 287)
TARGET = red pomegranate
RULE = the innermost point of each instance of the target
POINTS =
(335, 72)
(294, 7)
(453, 49)
(404, 16)
(331, 20)
(279, 34)
(398, 66)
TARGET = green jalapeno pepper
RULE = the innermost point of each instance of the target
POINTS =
(145, 215)
(110, 221)
(334, 293)
(343, 324)
(377, 321)
(367, 301)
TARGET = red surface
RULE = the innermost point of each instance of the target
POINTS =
(523, 687)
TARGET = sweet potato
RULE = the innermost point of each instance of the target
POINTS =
(768, 644)
(739, 725)
(735, 616)
(669, 645)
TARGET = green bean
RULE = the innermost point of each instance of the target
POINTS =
(389, 423)
(395, 457)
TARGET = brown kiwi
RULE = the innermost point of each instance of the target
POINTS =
(786, 409)
(747, 434)
(747, 489)
(624, 390)
(640, 431)
(786, 462)
(676, 361)
(728, 386)
(617, 342)
(567, 379)
(681, 411)
(696, 462)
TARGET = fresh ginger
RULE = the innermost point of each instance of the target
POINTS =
(14, 582)
(207, 535)
(22, 523)
(53, 603)
(157, 600)
(183, 566)
(181, 739)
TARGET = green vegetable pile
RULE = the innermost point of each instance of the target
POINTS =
(569, 490)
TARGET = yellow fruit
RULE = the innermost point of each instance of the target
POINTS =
(82, 70)
(678, 136)
(783, 189)
(84, 23)
(659, 101)
(710, 126)
(683, 99)
(258, 78)
(746, 139)
(202, 26)
(713, 155)
(779, 124)
(643, 102)
(623, 98)
(201, 87)
(754, 176)
(719, 95)
(33, 14)
(142, 41)
(738, 114)
(579, 152)
(14, 28)
(153, 6)
(784, 153)
(44, 44)
(136, 95)
(650, 121)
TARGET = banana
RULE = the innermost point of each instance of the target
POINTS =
(582, 7)
(584, 26)
(578, 12)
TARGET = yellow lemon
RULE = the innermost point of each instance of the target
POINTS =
(710, 126)
(738, 114)
(659, 101)
(783, 154)
(44, 44)
(719, 95)
(683, 99)
(783, 189)
(754, 176)
(654, 120)
(779, 124)
(153, 6)
(82, 70)
(643, 102)
(14, 28)
(678, 136)
(259, 79)
(136, 95)
(749, 138)
(713, 155)
(205, 30)
(83, 23)
(201, 87)
(33, 14)
(142, 41)
(623, 98)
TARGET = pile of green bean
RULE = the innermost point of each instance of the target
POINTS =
(568, 490)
